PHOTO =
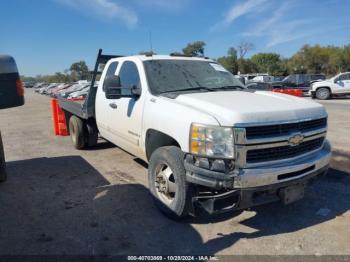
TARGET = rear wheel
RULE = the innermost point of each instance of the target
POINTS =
(167, 182)
(3, 174)
(77, 132)
(323, 93)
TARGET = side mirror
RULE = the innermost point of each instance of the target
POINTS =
(114, 90)
(112, 87)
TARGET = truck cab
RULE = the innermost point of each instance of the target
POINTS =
(211, 144)
(335, 86)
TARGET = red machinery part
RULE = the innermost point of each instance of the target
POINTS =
(58, 119)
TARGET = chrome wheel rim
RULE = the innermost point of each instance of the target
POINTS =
(165, 184)
(323, 93)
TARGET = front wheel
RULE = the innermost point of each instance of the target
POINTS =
(323, 93)
(167, 182)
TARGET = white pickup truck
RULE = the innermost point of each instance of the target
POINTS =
(210, 143)
(335, 86)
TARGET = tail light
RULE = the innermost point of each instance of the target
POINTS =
(20, 87)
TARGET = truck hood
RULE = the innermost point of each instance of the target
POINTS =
(242, 107)
(323, 82)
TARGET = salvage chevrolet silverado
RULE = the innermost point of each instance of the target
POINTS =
(211, 144)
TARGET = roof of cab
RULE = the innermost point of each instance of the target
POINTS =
(7, 64)
(165, 57)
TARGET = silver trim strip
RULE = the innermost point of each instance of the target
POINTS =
(269, 175)
(277, 122)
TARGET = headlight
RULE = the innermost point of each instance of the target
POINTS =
(211, 141)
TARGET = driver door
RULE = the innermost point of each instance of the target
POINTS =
(125, 113)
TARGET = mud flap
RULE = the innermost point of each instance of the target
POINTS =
(292, 193)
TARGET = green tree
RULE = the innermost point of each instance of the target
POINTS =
(246, 66)
(342, 60)
(230, 61)
(268, 63)
(194, 49)
(317, 59)
(79, 71)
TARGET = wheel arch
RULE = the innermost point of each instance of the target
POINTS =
(156, 139)
(330, 89)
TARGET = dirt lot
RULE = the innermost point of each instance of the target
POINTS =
(62, 201)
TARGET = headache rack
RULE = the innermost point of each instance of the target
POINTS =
(86, 109)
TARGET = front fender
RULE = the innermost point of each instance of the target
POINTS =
(173, 119)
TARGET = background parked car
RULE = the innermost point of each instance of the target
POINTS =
(262, 79)
(260, 86)
(74, 88)
(300, 81)
(337, 85)
(45, 89)
(29, 84)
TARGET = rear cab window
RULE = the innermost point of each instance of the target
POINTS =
(112, 68)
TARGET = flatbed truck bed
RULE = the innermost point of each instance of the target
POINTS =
(85, 109)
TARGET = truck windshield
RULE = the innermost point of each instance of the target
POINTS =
(166, 76)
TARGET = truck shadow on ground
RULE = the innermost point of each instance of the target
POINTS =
(64, 206)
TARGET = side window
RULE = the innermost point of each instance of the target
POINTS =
(111, 70)
(344, 77)
(129, 77)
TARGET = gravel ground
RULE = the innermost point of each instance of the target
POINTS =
(58, 200)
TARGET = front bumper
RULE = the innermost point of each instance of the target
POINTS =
(241, 186)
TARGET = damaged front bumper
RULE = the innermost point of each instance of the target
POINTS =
(247, 187)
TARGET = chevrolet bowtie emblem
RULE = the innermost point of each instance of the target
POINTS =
(296, 140)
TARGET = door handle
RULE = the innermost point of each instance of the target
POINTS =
(113, 105)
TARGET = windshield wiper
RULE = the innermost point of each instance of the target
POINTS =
(197, 88)
(233, 87)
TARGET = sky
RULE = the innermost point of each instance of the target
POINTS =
(47, 36)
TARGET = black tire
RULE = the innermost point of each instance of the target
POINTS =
(172, 157)
(3, 174)
(77, 132)
(323, 93)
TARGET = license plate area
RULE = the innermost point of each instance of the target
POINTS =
(291, 194)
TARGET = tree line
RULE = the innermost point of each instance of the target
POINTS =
(328, 60)
(77, 71)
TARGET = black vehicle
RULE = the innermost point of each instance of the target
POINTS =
(11, 95)
(261, 86)
(300, 81)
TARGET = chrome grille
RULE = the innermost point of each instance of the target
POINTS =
(282, 152)
(284, 129)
